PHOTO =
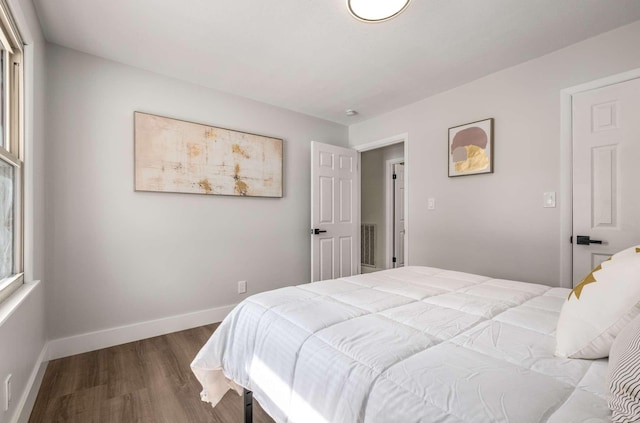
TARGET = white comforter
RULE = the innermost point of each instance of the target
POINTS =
(414, 344)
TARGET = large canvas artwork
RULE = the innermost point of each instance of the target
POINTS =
(176, 156)
(471, 148)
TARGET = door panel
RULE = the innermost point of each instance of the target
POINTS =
(604, 186)
(326, 254)
(346, 201)
(325, 202)
(606, 153)
(346, 256)
(334, 194)
(346, 162)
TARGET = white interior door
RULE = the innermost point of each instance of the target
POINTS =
(606, 171)
(398, 215)
(335, 217)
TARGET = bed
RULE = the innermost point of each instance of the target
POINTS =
(414, 344)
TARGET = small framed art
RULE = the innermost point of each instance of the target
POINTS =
(471, 148)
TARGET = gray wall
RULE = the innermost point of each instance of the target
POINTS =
(117, 257)
(495, 224)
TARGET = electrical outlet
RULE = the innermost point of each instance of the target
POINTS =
(431, 203)
(242, 287)
(549, 199)
(7, 393)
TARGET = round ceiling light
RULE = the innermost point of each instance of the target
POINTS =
(376, 10)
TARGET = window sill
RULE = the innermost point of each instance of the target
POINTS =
(9, 285)
(11, 304)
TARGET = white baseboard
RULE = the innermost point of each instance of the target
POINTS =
(28, 399)
(91, 341)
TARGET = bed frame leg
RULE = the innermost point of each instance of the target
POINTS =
(248, 406)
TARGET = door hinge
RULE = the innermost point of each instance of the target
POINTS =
(394, 259)
(395, 176)
(571, 240)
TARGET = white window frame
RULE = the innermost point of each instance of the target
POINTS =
(13, 128)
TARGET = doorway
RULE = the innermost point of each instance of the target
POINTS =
(606, 207)
(382, 208)
(336, 230)
(596, 170)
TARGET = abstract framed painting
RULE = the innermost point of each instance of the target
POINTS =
(177, 156)
(471, 148)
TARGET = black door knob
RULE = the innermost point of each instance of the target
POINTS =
(586, 240)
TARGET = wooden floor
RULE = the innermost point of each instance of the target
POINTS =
(143, 381)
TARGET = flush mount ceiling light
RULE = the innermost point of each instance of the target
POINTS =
(376, 10)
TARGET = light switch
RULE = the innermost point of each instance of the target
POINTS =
(549, 199)
(431, 203)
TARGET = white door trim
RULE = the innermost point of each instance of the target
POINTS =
(396, 139)
(383, 143)
(566, 164)
(388, 189)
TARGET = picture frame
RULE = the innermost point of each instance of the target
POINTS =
(470, 148)
(178, 156)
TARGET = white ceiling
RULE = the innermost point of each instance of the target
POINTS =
(313, 57)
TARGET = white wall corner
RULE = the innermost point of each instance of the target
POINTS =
(78, 344)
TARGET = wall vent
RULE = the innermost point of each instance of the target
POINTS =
(368, 245)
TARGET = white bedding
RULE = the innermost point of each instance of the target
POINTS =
(413, 344)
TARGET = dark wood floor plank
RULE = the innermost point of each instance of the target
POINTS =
(134, 407)
(77, 406)
(124, 361)
(148, 381)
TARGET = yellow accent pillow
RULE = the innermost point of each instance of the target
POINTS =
(586, 281)
(600, 306)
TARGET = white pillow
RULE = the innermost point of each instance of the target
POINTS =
(624, 375)
(600, 306)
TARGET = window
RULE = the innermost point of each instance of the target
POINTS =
(11, 155)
